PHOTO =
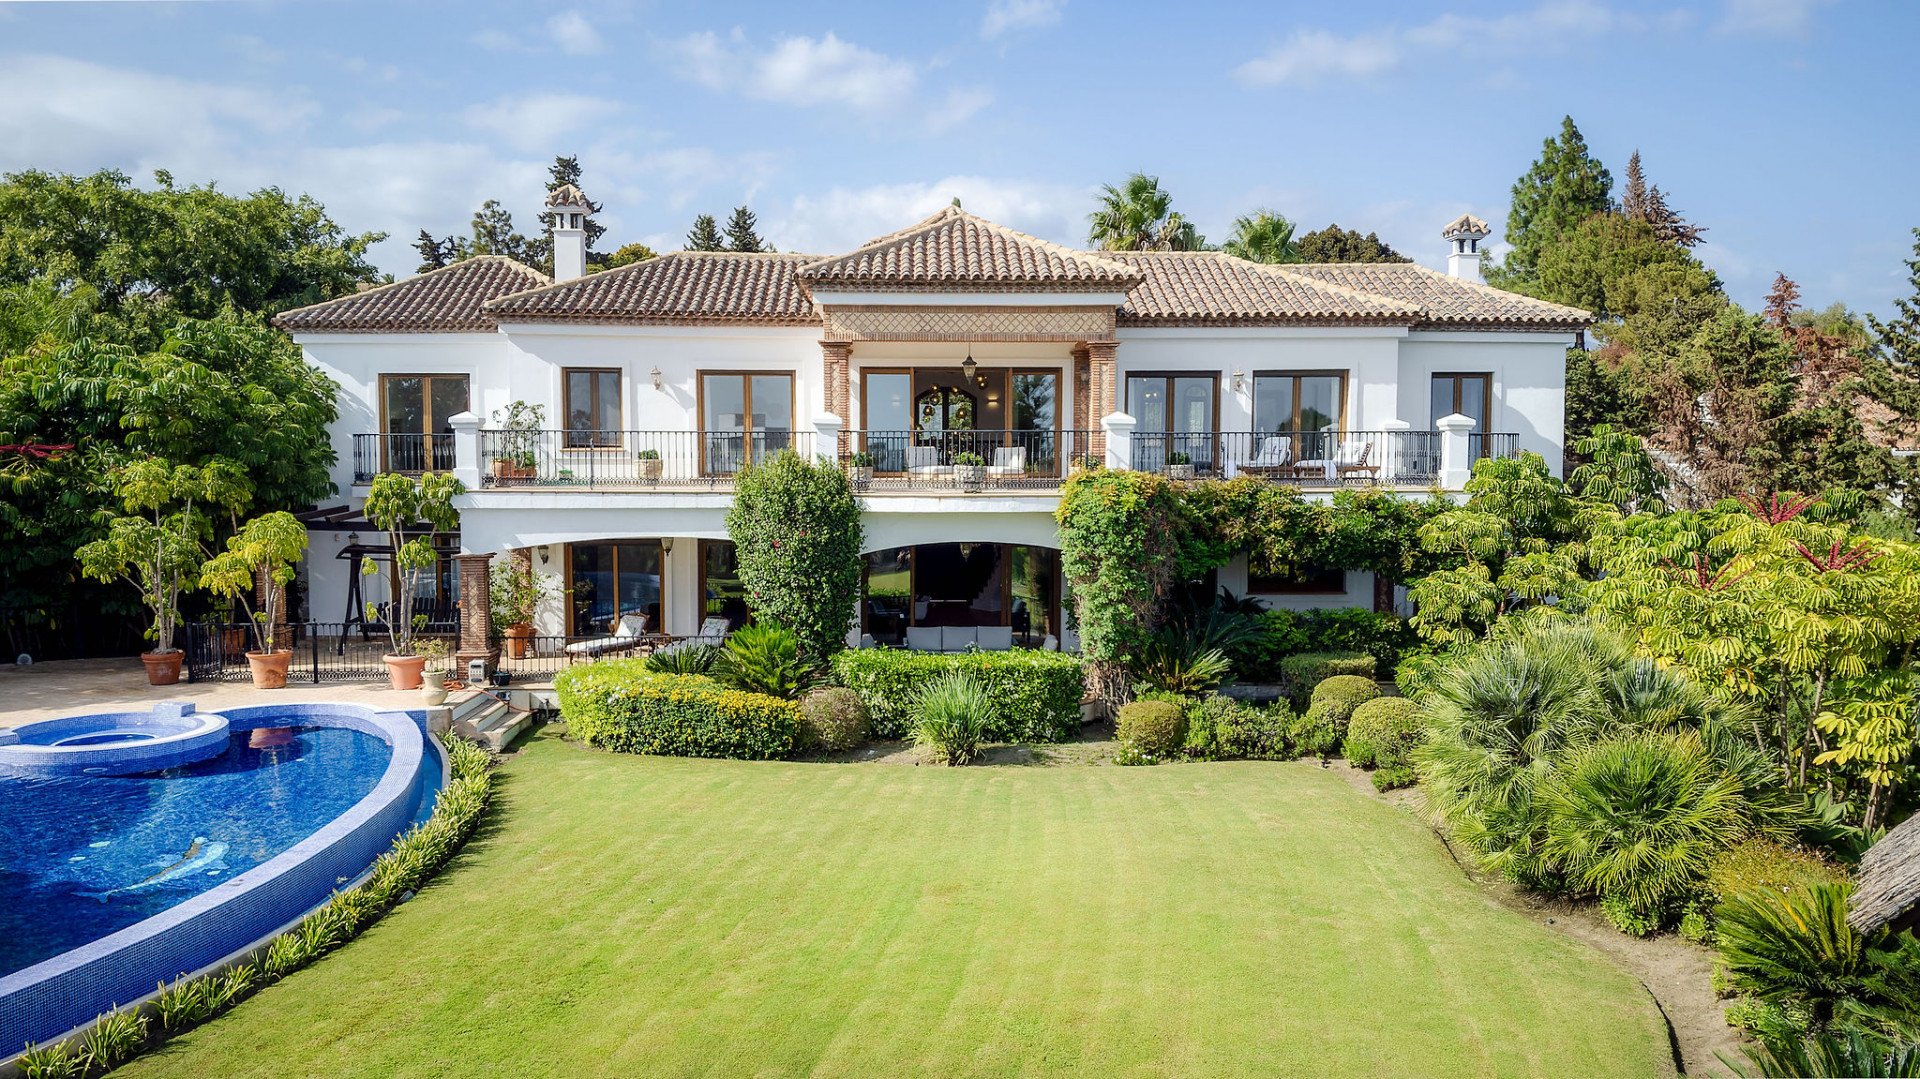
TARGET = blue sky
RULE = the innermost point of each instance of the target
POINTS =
(1788, 127)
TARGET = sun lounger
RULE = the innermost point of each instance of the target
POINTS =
(627, 635)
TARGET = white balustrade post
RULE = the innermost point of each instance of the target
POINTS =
(1393, 450)
(1119, 428)
(826, 437)
(466, 449)
(1456, 456)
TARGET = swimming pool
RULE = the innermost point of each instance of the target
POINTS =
(109, 884)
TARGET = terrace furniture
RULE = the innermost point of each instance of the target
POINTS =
(1008, 461)
(1347, 462)
(959, 638)
(925, 461)
(1274, 456)
(627, 635)
(713, 634)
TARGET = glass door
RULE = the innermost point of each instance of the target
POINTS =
(1174, 415)
(414, 414)
(1468, 395)
(743, 417)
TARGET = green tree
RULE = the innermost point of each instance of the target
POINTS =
(564, 171)
(1335, 244)
(1892, 378)
(796, 526)
(740, 232)
(146, 258)
(395, 504)
(1139, 216)
(156, 545)
(1565, 186)
(1263, 236)
(266, 548)
(493, 234)
(626, 255)
(1648, 205)
(705, 235)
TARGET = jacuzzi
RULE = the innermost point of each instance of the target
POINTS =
(114, 743)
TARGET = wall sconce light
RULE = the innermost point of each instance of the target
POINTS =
(666, 545)
(545, 553)
(656, 379)
(1239, 381)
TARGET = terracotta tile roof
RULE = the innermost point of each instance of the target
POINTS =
(1447, 302)
(439, 301)
(955, 250)
(678, 287)
(1211, 288)
(1466, 223)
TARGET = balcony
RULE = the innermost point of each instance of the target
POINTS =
(922, 461)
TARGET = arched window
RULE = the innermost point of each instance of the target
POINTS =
(944, 408)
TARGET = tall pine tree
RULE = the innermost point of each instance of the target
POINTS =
(740, 232)
(1893, 379)
(1564, 187)
(1648, 205)
(705, 235)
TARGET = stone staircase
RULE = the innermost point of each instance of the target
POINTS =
(484, 718)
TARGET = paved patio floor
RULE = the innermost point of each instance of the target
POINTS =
(78, 686)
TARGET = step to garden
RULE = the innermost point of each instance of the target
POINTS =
(485, 718)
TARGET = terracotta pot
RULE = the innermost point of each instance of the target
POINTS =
(433, 688)
(269, 668)
(860, 475)
(163, 668)
(404, 671)
(519, 639)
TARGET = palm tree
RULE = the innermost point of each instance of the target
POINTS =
(1263, 236)
(1138, 216)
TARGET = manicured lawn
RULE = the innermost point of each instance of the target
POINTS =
(631, 916)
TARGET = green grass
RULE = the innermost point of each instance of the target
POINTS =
(633, 916)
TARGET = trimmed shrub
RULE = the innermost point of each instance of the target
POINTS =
(1035, 695)
(1394, 775)
(1204, 718)
(1350, 690)
(950, 715)
(1255, 734)
(1382, 733)
(622, 706)
(1318, 732)
(1303, 672)
(833, 719)
(1281, 634)
(795, 524)
(1158, 728)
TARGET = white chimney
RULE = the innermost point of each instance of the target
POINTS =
(568, 210)
(1464, 233)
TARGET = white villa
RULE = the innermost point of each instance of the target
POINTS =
(962, 368)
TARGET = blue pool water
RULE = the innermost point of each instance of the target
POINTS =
(82, 857)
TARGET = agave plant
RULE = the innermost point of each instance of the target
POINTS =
(951, 716)
(765, 658)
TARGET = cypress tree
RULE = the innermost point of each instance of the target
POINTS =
(1564, 187)
(704, 236)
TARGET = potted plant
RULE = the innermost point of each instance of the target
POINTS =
(860, 469)
(264, 550)
(394, 504)
(433, 672)
(514, 598)
(650, 465)
(516, 446)
(156, 549)
(1179, 466)
(970, 469)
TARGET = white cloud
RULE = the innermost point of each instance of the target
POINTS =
(845, 218)
(1005, 15)
(1785, 18)
(960, 105)
(574, 34)
(532, 121)
(798, 71)
(1309, 57)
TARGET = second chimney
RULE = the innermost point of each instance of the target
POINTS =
(1464, 233)
(567, 209)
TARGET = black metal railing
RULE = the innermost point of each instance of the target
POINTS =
(322, 651)
(964, 460)
(627, 459)
(1313, 458)
(411, 454)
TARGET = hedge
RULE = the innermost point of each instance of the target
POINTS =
(1036, 695)
(1383, 732)
(1158, 728)
(1303, 672)
(1283, 633)
(620, 705)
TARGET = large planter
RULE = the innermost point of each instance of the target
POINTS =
(650, 468)
(860, 475)
(507, 471)
(519, 638)
(433, 688)
(1179, 472)
(163, 668)
(269, 668)
(404, 671)
(970, 476)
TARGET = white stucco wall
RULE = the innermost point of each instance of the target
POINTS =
(1529, 382)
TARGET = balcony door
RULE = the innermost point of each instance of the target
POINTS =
(1174, 419)
(1008, 417)
(744, 417)
(1469, 395)
(1307, 404)
(414, 410)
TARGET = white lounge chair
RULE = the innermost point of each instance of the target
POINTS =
(713, 634)
(925, 461)
(627, 635)
(1275, 453)
(1008, 461)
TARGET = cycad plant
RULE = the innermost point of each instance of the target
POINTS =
(952, 716)
(1179, 662)
(1795, 946)
(765, 658)
(684, 659)
(1830, 1053)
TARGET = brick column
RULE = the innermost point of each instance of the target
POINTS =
(263, 586)
(1082, 403)
(1102, 392)
(476, 624)
(836, 359)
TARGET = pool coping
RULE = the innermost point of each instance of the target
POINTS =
(51, 1000)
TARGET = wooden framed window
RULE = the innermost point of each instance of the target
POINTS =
(590, 400)
(414, 410)
(1286, 402)
(1176, 414)
(744, 416)
(1309, 581)
(607, 580)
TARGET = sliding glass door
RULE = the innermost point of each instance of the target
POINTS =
(1174, 417)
